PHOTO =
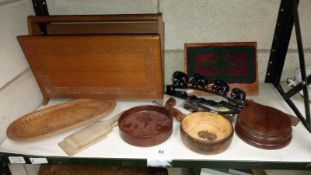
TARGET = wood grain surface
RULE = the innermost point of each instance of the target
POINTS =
(98, 170)
(109, 67)
(96, 56)
(59, 118)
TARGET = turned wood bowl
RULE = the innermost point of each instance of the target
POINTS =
(145, 125)
(206, 132)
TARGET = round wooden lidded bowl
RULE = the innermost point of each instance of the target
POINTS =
(263, 126)
(206, 132)
(145, 125)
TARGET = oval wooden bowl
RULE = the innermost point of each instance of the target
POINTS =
(58, 118)
(206, 132)
(145, 125)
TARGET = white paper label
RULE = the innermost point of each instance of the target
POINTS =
(189, 91)
(160, 158)
(159, 162)
(16, 159)
(38, 160)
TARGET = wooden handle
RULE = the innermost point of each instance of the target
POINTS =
(85, 137)
(177, 114)
(170, 103)
(88, 134)
(174, 112)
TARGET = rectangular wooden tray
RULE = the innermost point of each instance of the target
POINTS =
(96, 56)
(114, 67)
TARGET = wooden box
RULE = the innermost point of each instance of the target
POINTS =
(109, 56)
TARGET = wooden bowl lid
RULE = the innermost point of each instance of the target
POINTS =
(263, 138)
(264, 119)
(260, 135)
(263, 126)
(145, 125)
(264, 143)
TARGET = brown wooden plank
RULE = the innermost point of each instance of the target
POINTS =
(97, 79)
(98, 170)
(96, 66)
(99, 24)
(95, 18)
(89, 24)
(102, 28)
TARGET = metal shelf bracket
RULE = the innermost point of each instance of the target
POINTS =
(40, 7)
(4, 168)
(287, 19)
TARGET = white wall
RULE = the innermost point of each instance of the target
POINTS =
(226, 21)
(12, 22)
(205, 21)
(87, 7)
(219, 21)
(19, 93)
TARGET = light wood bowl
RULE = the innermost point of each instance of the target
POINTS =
(206, 132)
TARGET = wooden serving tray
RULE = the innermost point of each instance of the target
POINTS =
(96, 56)
(58, 118)
(97, 66)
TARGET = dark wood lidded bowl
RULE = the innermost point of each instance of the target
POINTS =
(263, 126)
(206, 132)
(145, 125)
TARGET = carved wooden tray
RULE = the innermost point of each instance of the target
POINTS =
(96, 56)
(58, 118)
(97, 66)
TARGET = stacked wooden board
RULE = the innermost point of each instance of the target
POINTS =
(96, 56)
